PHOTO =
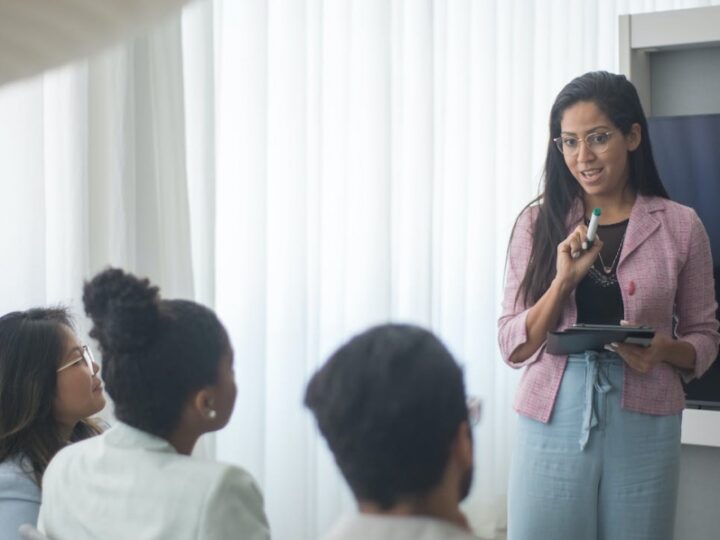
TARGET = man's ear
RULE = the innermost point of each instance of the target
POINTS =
(463, 445)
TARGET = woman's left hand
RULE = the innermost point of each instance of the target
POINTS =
(642, 359)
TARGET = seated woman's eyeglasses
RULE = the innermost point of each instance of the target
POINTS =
(85, 356)
(597, 143)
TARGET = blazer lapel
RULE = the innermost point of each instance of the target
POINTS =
(641, 225)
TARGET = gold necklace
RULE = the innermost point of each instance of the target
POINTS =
(608, 269)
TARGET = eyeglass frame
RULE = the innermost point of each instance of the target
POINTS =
(86, 355)
(474, 408)
(559, 142)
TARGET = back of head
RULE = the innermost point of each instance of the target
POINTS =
(390, 402)
(32, 344)
(155, 352)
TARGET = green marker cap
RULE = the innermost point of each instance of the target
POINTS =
(597, 212)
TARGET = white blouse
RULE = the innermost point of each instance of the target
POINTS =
(127, 483)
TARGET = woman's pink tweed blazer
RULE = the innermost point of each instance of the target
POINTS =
(665, 271)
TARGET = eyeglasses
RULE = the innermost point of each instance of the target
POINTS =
(474, 407)
(597, 143)
(86, 356)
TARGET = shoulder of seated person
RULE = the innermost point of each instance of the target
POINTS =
(16, 481)
(219, 477)
(218, 469)
(16, 467)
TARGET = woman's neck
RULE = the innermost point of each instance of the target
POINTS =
(615, 208)
(183, 441)
(65, 430)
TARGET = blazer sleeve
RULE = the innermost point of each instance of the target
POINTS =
(695, 304)
(234, 509)
(512, 329)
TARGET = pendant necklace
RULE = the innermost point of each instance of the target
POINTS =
(608, 269)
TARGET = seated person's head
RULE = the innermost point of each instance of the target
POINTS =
(49, 386)
(168, 364)
(391, 404)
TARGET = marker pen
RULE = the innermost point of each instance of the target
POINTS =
(592, 228)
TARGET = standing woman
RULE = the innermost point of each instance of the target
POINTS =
(598, 442)
(48, 388)
(169, 371)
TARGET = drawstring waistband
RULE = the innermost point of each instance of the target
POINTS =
(595, 381)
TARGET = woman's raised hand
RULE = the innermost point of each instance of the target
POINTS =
(572, 261)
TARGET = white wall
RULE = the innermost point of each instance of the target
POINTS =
(698, 509)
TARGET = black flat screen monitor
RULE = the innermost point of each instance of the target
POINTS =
(687, 153)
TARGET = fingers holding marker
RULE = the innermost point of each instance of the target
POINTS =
(593, 250)
(575, 240)
(592, 228)
(589, 237)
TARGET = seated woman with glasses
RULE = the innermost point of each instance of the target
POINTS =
(48, 389)
(169, 370)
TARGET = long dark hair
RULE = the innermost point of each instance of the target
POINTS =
(156, 352)
(618, 99)
(31, 347)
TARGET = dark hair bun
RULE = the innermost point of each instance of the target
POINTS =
(124, 310)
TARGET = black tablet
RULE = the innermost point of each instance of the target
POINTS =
(593, 337)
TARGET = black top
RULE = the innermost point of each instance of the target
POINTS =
(598, 296)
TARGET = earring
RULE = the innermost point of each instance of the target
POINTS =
(212, 413)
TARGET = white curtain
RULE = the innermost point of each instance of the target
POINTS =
(308, 167)
(92, 173)
(372, 156)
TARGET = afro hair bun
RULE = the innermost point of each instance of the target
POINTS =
(125, 310)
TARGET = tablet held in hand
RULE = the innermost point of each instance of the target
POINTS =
(593, 337)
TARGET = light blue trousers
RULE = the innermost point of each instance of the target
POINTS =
(595, 471)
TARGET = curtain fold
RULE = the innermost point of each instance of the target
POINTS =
(372, 158)
(93, 174)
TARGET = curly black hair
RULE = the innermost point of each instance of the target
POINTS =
(389, 403)
(155, 352)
